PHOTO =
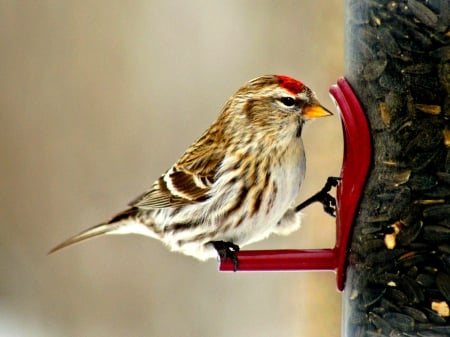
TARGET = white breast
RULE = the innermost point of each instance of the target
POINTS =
(287, 175)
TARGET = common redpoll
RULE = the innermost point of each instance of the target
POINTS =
(236, 184)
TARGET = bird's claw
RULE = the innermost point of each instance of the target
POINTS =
(329, 204)
(326, 199)
(331, 182)
(227, 250)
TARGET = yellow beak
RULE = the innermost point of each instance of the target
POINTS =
(315, 111)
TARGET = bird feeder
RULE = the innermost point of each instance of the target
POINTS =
(392, 252)
(398, 271)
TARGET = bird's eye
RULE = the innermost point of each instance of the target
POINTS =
(288, 101)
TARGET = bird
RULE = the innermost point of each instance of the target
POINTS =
(236, 184)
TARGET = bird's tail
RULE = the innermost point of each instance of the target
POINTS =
(110, 227)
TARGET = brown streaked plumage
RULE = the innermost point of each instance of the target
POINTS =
(236, 184)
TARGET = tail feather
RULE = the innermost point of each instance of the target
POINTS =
(90, 233)
(109, 227)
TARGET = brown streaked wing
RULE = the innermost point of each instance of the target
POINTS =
(203, 158)
(160, 197)
(191, 178)
(180, 187)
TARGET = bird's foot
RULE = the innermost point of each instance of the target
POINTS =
(227, 250)
(325, 198)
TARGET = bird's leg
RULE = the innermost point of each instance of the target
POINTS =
(326, 199)
(227, 250)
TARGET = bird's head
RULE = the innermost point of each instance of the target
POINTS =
(275, 103)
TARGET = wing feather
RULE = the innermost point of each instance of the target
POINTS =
(190, 179)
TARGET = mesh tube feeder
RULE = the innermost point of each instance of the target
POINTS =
(392, 252)
(397, 60)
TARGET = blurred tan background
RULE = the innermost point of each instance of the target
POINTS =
(97, 99)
